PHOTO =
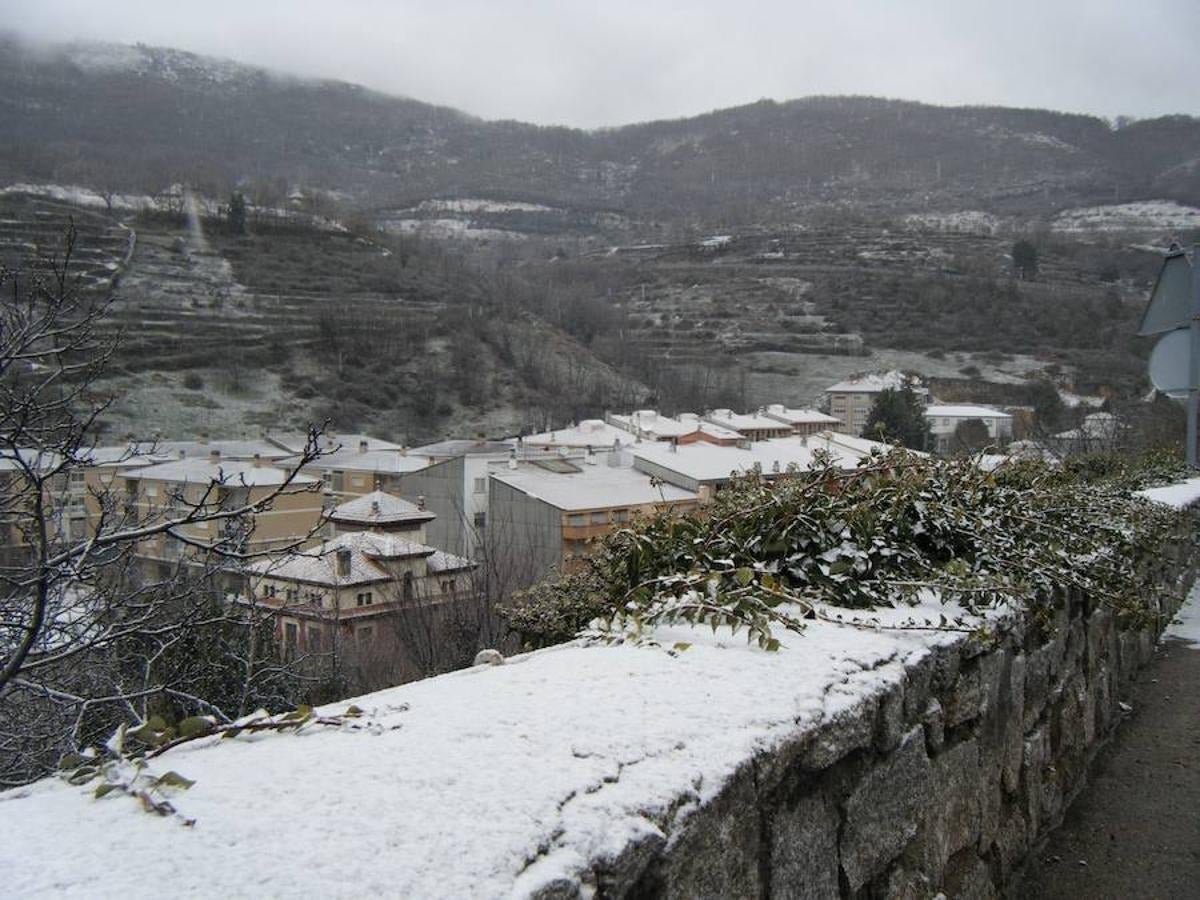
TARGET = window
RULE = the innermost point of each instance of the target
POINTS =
(577, 519)
(363, 599)
(408, 586)
(356, 480)
(290, 636)
(480, 520)
(481, 485)
(620, 515)
(314, 638)
(151, 490)
(600, 518)
(291, 595)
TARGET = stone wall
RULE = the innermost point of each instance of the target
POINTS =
(942, 783)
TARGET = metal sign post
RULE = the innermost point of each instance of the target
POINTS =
(1193, 401)
(1174, 307)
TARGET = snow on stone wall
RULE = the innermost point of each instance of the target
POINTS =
(896, 762)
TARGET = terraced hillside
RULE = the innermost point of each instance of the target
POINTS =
(295, 324)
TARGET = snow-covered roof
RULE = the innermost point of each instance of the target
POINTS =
(456, 447)
(442, 562)
(963, 411)
(706, 463)
(650, 423)
(385, 462)
(591, 486)
(320, 564)
(232, 449)
(380, 508)
(740, 422)
(489, 782)
(588, 433)
(230, 472)
(875, 382)
(295, 441)
(801, 416)
(38, 460)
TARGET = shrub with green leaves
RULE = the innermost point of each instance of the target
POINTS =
(769, 555)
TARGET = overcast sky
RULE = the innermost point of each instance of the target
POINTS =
(618, 61)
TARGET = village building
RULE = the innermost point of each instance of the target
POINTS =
(156, 492)
(803, 421)
(548, 513)
(706, 469)
(752, 426)
(945, 419)
(363, 468)
(376, 565)
(686, 428)
(850, 401)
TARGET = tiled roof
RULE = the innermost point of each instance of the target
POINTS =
(380, 508)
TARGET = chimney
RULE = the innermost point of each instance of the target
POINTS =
(343, 561)
(214, 455)
(257, 460)
(203, 438)
(362, 446)
(421, 502)
(374, 507)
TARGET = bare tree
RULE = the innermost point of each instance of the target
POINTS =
(89, 634)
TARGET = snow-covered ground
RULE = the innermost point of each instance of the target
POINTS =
(477, 205)
(968, 221)
(1146, 215)
(482, 783)
(442, 229)
(1186, 625)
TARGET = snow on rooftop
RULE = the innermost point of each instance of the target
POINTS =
(295, 441)
(727, 418)
(230, 472)
(593, 486)
(387, 462)
(964, 411)
(488, 782)
(874, 382)
(320, 564)
(799, 416)
(380, 508)
(588, 433)
(709, 462)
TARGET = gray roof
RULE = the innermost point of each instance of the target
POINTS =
(380, 508)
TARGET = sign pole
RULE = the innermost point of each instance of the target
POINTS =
(1193, 404)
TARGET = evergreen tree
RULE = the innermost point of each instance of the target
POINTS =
(237, 213)
(898, 417)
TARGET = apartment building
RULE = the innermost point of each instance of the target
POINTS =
(548, 513)
(752, 426)
(706, 469)
(156, 492)
(945, 418)
(376, 566)
(686, 428)
(850, 401)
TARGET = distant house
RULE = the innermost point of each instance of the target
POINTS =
(548, 513)
(850, 401)
(160, 491)
(686, 428)
(752, 426)
(802, 421)
(377, 565)
(945, 419)
(706, 469)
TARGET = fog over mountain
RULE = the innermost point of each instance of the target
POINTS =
(610, 64)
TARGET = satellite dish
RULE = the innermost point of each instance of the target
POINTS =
(1169, 363)
(1170, 305)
